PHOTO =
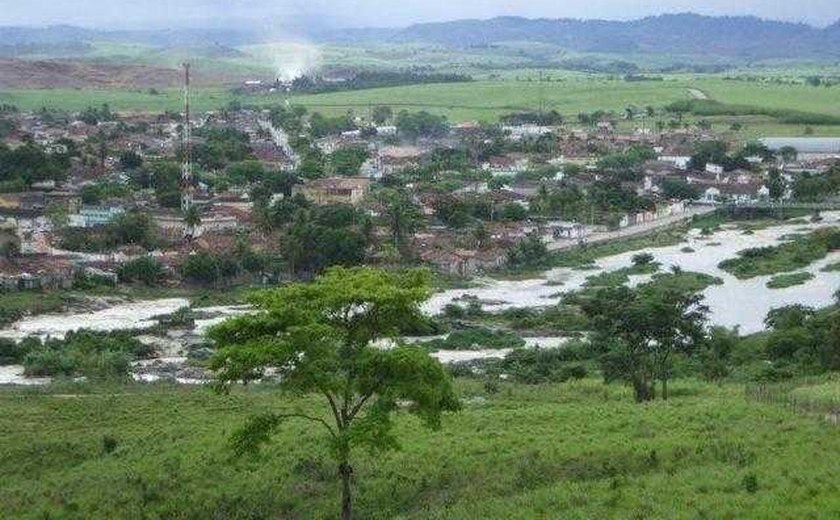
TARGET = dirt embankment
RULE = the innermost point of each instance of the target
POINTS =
(15, 73)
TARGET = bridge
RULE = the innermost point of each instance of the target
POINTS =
(777, 209)
(833, 205)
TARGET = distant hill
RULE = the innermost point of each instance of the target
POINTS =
(41, 74)
(66, 34)
(742, 36)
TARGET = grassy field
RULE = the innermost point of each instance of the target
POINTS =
(120, 100)
(820, 100)
(576, 450)
(481, 100)
(823, 394)
(487, 99)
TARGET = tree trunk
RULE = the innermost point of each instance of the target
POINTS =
(664, 388)
(642, 390)
(346, 472)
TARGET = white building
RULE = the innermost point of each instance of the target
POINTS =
(92, 216)
(679, 161)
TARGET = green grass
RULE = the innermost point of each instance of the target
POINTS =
(831, 268)
(581, 448)
(620, 276)
(502, 87)
(487, 100)
(15, 305)
(120, 100)
(475, 339)
(788, 256)
(685, 281)
(825, 395)
(781, 281)
(582, 256)
(819, 100)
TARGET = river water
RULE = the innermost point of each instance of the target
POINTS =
(736, 303)
(741, 303)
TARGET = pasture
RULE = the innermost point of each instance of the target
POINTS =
(580, 450)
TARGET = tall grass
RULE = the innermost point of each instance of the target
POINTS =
(574, 450)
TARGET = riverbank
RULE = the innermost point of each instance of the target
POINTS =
(742, 303)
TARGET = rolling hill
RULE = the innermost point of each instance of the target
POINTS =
(746, 37)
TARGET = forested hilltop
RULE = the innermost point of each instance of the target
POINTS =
(746, 37)
(741, 36)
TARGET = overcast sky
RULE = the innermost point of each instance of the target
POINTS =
(380, 13)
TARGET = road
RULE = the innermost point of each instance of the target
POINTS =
(696, 93)
(281, 139)
(640, 229)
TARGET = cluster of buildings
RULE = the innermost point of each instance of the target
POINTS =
(29, 220)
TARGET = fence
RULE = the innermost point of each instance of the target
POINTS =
(782, 394)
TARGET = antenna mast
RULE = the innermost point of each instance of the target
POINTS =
(186, 167)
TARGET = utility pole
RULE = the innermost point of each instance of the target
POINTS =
(186, 166)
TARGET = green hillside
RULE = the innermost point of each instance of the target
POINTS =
(577, 450)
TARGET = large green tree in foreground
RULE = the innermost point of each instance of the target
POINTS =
(638, 332)
(318, 338)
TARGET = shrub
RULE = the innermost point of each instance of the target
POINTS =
(750, 483)
(96, 355)
(782, 281)
(477, 338)
(109, 444)
(144, 270)
(789, 256)
(11, 352)
(642, 259)
(536, 365)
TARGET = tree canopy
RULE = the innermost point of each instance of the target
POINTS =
(638, 331)
(318, 337)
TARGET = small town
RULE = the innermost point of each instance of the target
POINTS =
(419, 260)
(281, 194)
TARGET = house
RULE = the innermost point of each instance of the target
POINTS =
(28, 201)
(567, 230)
(236, 200)
(465, 262)
(714, 169)
(269, 153)
(659, 168)
(505, 165)
(219, 219)
(334, 190)
(605, 124)
(386, 131)
(216, 219)
(806, 147)
(37, 272)
(679, 156)
(93, 216)
(711, 195)
(520, 132)
(743, 193)
(734, 193)
(395, 158)
(68, 201)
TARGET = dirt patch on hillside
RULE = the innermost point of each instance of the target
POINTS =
(16, 73)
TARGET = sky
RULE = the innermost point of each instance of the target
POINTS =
(384, 13)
